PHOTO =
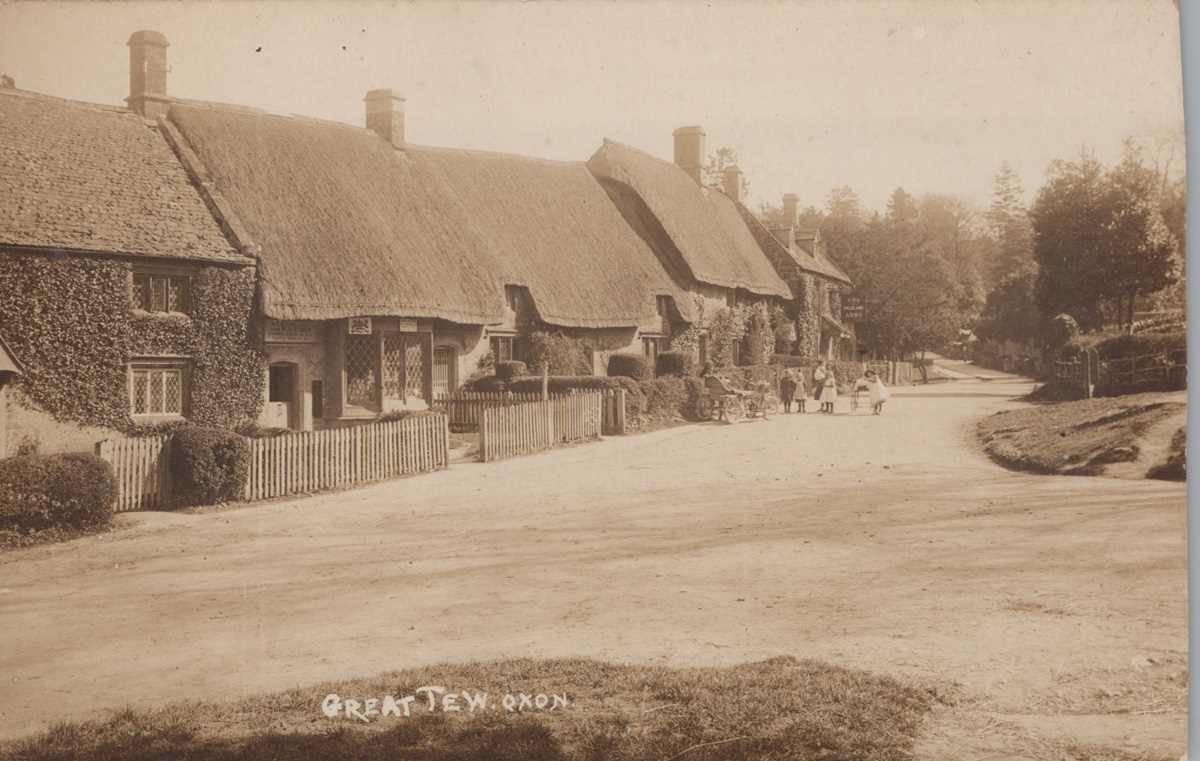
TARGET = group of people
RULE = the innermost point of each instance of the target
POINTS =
(792, 388)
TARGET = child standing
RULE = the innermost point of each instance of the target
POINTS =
(801, 391)
(787, 390)
(829, 391)
(879, 392)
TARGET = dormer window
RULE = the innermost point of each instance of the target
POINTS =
(161, 293)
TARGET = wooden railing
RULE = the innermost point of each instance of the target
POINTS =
(534, 426)
(141, 467)
(464, 407)
(316, 460)
(612, 421)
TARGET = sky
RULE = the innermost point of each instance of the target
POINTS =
(930, 95)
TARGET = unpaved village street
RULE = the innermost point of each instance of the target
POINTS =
(1056, 604)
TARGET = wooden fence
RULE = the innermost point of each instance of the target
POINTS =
(1087, 372)
(315, 460)
(534, 426)
(464, 407)
(612, 414)
(142, 470)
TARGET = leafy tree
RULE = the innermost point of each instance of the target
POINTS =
(1011, 310)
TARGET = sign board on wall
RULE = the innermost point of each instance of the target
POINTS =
(359, 326)
(406, 326)
(290, 332)
(853, 308)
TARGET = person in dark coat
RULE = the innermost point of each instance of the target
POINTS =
(787, 390)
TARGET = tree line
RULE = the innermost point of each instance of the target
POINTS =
(1098, 243)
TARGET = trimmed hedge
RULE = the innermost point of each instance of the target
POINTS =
(209, 465)
(508, 369)
(680, 363)
(62, 491)
(628, 365)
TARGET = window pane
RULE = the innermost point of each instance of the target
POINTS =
(393, 366)
(139, 393)
(158, 294)
(414, 368)
(141, 292)
(156, 391)
(173, 392)
(361, 383)
(175, 294)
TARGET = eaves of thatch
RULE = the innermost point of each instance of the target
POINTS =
(808, 241)
(553, 230)
(92, 179)
(345, 225)
(701, 224)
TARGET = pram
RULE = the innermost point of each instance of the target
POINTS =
(860, 394)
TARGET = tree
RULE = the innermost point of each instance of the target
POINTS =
(1011, 313)
(1100, 240)
(1010, 227)
(714, 169)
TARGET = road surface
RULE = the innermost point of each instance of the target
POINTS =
(1046, 607)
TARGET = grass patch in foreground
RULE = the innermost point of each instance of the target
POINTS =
(1073, 438)
(781, 709)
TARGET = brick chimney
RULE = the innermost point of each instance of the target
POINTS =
(385, 116)
(148, 74)
(731, 182)
(689, 151)
(791, 203)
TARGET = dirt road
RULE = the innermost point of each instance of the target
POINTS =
(1056, 604)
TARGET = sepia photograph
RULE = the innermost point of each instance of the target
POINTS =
(596, 380)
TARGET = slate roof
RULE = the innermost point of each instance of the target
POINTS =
(95, 178)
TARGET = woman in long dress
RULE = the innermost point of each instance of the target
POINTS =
(829, 392)
(879, 392)
(819, 375)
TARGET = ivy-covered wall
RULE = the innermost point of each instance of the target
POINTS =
(70, 321)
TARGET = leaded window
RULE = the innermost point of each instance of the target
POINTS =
(161, 293)
(362, 387)
(156, 390)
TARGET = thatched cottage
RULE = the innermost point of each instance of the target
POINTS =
(388, 270)
(116, 280)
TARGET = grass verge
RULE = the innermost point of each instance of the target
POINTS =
(782, 709)
(1074, 438)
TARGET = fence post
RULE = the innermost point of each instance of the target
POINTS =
(620, 397)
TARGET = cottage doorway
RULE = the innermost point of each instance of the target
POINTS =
(445, 373)
(283, 400)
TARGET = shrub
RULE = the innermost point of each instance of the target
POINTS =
(699, 401)
(665, 397)
(209, 465)
(629, 366)
(675, 363)
(256, 431)
(67, 491)
(508, 369)
(563, 354)
(394, 415)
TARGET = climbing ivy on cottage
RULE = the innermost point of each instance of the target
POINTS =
(69, 320)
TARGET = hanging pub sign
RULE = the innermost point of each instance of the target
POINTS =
(359, 326)
(853, 308)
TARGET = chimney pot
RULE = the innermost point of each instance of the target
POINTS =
(385, 116)
(731, 182)
(791, 206)
(148, 74)
(689, 151)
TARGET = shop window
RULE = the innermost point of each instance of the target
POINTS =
(506, 348)
(362, 383)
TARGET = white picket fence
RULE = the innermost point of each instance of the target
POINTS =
(142, 470)
(316, 460)
(290, 464)
(535, 426)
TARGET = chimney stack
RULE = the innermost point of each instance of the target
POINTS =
(791, 203)
(689, 151)
(385, 116)
(148, 74)
(731, 182)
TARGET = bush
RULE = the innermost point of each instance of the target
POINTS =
(63, 491)
(510, 369)
(256, 431)
(675, 363)
(563, 354)
(629, 366)
(208, 465)
(666, 398)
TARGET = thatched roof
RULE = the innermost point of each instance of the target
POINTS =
(703, 225)
(789, 259)
(808, 240)
(346, 225)
(84, 177)
(554, 230)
